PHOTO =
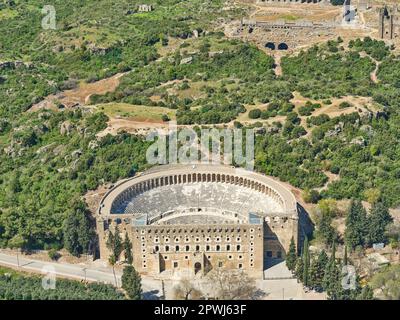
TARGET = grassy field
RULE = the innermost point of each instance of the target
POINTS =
(289, 17)
(7, 13)
(135, 112)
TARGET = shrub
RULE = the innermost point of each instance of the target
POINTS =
(311, 196)
(344, 105)
(54, 254)
(255, 114)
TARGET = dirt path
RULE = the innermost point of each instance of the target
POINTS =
(278, 67)
(136, 127)
(80, 95)
(374, 77)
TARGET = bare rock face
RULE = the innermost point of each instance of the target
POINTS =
(358, 141)
(58, 150)
(45, 149)
(13, 150)
(15, 64)
(6, 65)
(81, 130)
(101, 51)
(19, 64)
(145, 8)
(66, 128)
(93, 144)
(186, 60)
(77, 153)
(40, 129)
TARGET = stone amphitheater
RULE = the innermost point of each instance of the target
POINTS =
(195, 218)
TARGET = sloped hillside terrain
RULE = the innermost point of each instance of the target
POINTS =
(177, 60)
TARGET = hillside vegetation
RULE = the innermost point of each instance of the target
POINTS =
(50, 159)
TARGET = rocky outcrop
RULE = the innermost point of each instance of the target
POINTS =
(66, 128)
(93, 144)
(360, 141)
(100, 51)
(14, 65)
(186, 60)
(145, 8)
(45, 149)
(77, 153)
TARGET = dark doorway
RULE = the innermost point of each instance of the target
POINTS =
(283, 46)
(197, 267)
(270, 45)
(251, 30)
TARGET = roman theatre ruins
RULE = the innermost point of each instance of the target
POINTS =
(195, 218)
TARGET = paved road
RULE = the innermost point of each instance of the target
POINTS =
(274, 289)
(65, 270)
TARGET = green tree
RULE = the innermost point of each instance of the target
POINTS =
(118, 245)
(291, 256)
(345, 262)
(131, 283)
(78, 231)
(17, 242)
(329, 207)
(324, 229)
(254, 114)
(299, 272)
(110, 245)
(372, 195)
(356, 225)
(306, 262)
(128, 250)
(378, 220)
(311, 196)
(115, 245)
(317, 270)
(331, 281)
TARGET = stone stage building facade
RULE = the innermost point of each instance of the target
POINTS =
(189, 220)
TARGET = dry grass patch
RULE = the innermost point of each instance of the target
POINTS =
(136, 112)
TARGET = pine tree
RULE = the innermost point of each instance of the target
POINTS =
(118, 245)
(356, 225)
(299, 272)
(110, 241)
(325, 231)
(306, 262)
(115, 245)
(71, 238)
(77, 230)
(131, 283)
(128, 250)
(378, 220)
(291, 257)
(85, 231)
(331, 282)
(317, 270)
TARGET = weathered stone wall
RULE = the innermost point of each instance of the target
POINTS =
(211, 246)
(278, 232)
(163, 246)
(192, 249)
(389, 22)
